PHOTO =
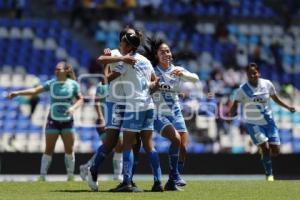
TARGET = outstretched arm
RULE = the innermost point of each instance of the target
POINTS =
(30, 92)
(186, 75)
(281, 103)
(233, 110)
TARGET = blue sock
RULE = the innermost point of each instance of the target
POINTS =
(180, 167)
(267, 163)
(155, 165)
(173, 162)
(127, 166)
(135, 163)
(100, 156)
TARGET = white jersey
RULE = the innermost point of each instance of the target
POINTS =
(136, 84)
(256, 101)
(166, 99)
(115, 89)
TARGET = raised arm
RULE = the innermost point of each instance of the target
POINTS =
(28, 92)
(281, 103)
(186, 75)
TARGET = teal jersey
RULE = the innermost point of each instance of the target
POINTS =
(101, 94)
(62, 96)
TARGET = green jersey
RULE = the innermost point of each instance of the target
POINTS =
(62, 96)
(101, 94)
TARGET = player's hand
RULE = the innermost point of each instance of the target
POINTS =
(292, 109)
(155, 85)
(129, 60)
(107, 52)
(70, 111)
(12, 95)
(177, 72)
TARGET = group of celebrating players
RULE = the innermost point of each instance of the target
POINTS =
(140, 95)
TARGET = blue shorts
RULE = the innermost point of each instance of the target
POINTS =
(59, 127)
(138, 121)
(114, 114)
(177, 121)
(263, 133)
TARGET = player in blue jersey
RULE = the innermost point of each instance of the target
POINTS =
(115, 105)
(65, 99)
(255, 97)
(137, 80)
(169, 121)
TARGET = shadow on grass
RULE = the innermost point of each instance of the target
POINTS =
(78, 191)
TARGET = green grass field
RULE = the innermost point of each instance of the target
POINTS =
(202, 190)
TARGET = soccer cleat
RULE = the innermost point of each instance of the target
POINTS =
(171, 186)
(125, 187)
(83, 172)
(270, 178)
(157, 187)
(118, 177)
(92, 181)
(180, 182)
(42, 178)
(71, 178)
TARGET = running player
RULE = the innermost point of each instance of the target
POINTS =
(255, 97)
(137, 80)
(65, 99)
(169, 121)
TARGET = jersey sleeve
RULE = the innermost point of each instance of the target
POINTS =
(271, 88)
(76, 91)
(119, 67)
(47, 85)
(238, 95)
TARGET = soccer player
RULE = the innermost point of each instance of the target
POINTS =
(255, 97)
(115, 105)
(169, 121)
(100, 99)
(137, 81)
(65, 99)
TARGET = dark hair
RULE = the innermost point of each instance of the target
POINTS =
(252, 65)
(67, 66)
(132, 39)
(126, 29)
(150, 49)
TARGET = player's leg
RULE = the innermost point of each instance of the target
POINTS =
(259, 138)
(118, 160)
(146, 136)
(171, 134)
(68, 139)
(112, 136)
(84, 167)
(51, 139)
(136, 152)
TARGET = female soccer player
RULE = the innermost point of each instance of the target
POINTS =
(255, 96)
(65, 99)
(169, 121)
(115, 105)
(137, 80)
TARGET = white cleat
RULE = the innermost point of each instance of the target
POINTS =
(92, 184)
(270, 178)
(118, 177)
(83, 172)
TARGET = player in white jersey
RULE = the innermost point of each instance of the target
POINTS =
(137, 80)
(115, 106)
(255, 97)
(169, 121)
